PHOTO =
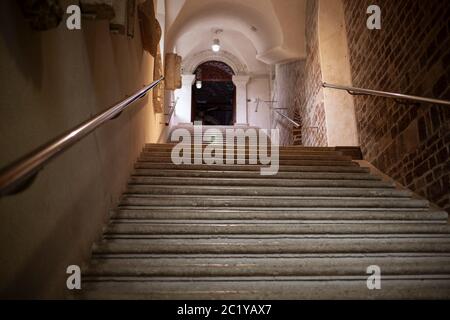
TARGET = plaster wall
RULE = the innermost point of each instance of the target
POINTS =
(339, 107)
(258, 88)
(52, 81)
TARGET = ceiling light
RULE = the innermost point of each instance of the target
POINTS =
(216, 45)
(198, 84)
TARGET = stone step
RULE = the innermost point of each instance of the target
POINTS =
(139, 228)
(274, 182)
(263, 267)
(321, 162)
(246, 150)
(335, 214)
(272, 202)
(152, 156)
(163, 146)
(323, 167)
(266, 191)
(228, 232)
(254, 175)
(270, 288)
(259, 244)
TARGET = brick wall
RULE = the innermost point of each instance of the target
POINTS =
(410, 54)
(298, 88)
(297, 132)
(289, 81)
(311, 108)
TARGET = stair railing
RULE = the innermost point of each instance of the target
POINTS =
(20, 174)
(286, 117)
(270, 103)
(170, 113)
(386, 94)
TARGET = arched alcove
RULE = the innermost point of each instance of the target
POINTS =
(239, 79)
(213, 94)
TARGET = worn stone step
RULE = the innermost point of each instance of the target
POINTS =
(265, 236)
(274, 182)
(335, 214)
(322, 167)
(147, 156)
(237, 150)
(228, 232)
(318, 162)
(139, 228)
(265, 191)
(163, 146)
(274, 202)
(267, 266)
(274, 245)
(270, 288)
(246, 150)
(253, 175)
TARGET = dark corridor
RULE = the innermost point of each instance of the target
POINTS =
(213, 94)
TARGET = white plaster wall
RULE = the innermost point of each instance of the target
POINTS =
(184, 96)
(259, 88)
(339, 106)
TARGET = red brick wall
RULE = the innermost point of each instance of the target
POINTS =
(289, 80)
(410, 54)
(298, 88)
(312, 110)
(297, 131)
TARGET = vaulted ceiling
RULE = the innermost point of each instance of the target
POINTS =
(257, 32)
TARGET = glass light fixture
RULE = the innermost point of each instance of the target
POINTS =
(216, 45)
(198, 84)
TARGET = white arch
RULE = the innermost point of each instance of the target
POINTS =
(190, 64)
(240, 80)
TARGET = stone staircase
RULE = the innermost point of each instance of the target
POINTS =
(309, 232)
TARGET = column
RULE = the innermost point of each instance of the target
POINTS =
(241, 99)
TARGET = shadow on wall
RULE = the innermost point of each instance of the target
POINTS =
(52, 81)
(410, 54)
(19, 40)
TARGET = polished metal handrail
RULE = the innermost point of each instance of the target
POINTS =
(21, 173)
(171, 112)
(287, 118)
(272, 108)
(360, 91)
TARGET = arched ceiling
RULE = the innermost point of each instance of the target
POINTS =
(232, 42)
(258, 32)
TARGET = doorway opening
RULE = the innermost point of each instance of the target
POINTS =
(214, 94)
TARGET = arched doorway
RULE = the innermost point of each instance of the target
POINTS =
(214, 94)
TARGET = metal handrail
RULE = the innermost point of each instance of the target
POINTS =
(21, 173)
(171, 112)
(258, 100)
(287, 118)
(360, 91)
